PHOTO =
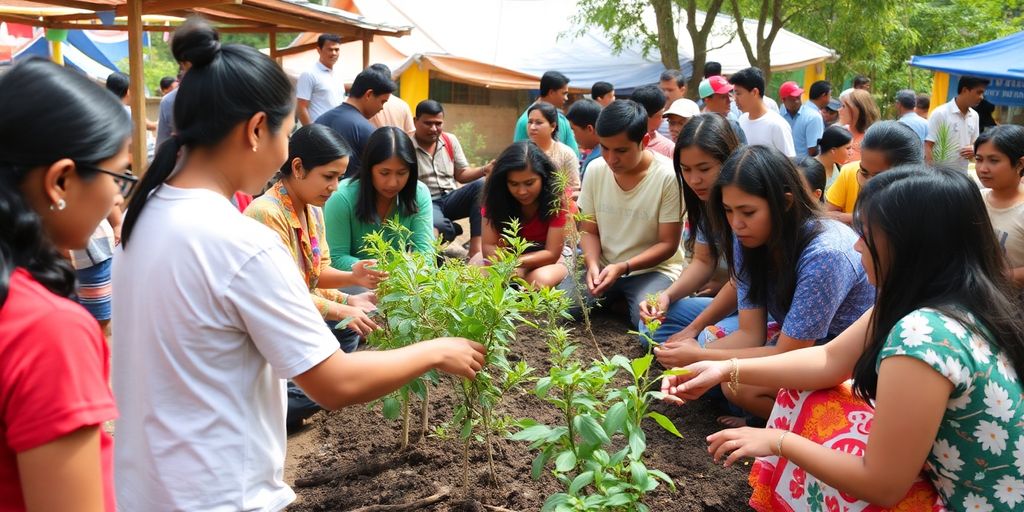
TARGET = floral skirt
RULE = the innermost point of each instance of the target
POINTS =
(839, 420)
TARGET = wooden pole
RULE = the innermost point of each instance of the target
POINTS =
(137, 86)
(273, 47)
(366, 50)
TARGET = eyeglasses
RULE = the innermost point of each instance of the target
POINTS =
(125, 181)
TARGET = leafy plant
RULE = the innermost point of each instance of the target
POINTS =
(598, 451)
(472, 141)
(946, 148)
(420, 300)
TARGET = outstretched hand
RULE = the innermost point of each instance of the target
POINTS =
(699, 378)
(743, 442)
(366, 276)
(458, 356)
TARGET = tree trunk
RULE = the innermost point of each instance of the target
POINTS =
(668, 43)
(699, 39)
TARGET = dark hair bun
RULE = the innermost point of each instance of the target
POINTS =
(195, 42)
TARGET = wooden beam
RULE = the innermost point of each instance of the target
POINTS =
(366, 50)
(292, 50)
(78, 4)
(137, 87)
(164, 6)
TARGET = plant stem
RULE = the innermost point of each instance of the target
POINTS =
(487, 439)
(405, 422)
(424, 412)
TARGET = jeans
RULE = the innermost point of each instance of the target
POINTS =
(681, 314)
(461, 203)
(634, 289)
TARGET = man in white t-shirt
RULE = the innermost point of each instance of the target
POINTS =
(953, 126)
(320, 89)
(633, 206)
(761, 125)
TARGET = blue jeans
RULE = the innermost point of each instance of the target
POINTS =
(681, 314)
(634, 289)
(301, 406)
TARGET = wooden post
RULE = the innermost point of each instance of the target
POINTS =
(366, 50)
(137, 87)
(273, 47)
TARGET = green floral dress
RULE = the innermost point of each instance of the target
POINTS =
(977, 461)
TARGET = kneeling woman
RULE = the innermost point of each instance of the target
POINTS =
(940, 356)
(387, 187)
(787, 261)
(317, 159)
(523, 186)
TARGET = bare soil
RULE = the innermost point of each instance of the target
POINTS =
(350, 459)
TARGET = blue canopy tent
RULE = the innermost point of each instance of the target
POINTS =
(1000, 61)
(94, 53)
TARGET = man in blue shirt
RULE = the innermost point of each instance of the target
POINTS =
(805, 121)
(369, 91)
(906, 102)
(554, 89)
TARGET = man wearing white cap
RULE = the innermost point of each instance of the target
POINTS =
(678, 115)
(805, 122)
(715, 91)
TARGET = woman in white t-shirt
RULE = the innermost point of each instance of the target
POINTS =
(212, 314)
(1000, 166)
(542, 127)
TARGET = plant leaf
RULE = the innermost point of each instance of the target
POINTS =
(637, 443)
(615, 418)
(531, 433)
(538, 464)
(582, 480)
(619, 500)
(554, 501)
(675, 371)
(640, 365)
(664, 422)
(392, 408)
(565, 461)
(589, 430)
(639, 474)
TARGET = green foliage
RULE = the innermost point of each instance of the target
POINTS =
(157, 63)
(946, 148)
(472, 141)
(421, 300)
(597, 449)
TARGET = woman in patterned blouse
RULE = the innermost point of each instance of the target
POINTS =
(939, 356)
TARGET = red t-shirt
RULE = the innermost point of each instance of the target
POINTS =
(536, 229)
(54, 379)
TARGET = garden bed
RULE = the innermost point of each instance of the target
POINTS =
(350, 459)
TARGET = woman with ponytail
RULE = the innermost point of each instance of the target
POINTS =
(56, 185)
(211, 315)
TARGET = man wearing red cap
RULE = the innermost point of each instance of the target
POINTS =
(806, 123)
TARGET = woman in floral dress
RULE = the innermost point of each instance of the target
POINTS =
(939, 356)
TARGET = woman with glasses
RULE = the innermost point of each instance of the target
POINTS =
(886, 144)
(56, 186)
(212, 316)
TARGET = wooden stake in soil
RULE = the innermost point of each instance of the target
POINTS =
(441, 495)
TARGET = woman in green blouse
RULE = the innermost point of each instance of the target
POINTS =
(387, 187)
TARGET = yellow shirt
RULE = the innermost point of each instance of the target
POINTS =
(843, 192)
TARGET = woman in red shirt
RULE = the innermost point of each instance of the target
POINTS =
(63, 157)
(523, 186)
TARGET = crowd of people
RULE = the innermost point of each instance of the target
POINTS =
(761, 245)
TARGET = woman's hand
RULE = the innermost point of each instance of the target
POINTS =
(366, 301)
(358, 321)
(365, 276)
(457, 356)
(743, 442)
(679, 353)
(698, 378)
(655, 311)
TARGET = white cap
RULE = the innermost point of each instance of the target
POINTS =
(683, 108)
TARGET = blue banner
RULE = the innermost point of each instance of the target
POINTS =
(1000, 91)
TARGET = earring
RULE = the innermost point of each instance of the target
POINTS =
(60, 205)
(254, 149)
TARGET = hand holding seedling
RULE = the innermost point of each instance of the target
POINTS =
(679, 354)
(654, 307)
(694, 381)
(457, 356)
(356, 319)
(367, 276)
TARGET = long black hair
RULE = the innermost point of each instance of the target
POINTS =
(550, 114)
(386, 142)
(941, 253)
(48, 113)
(713, 135)
(501, 206)
(225, 86)
(814, 173)
(314, 145)
(834, 136)
(795, 218)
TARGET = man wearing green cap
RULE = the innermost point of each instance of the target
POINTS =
(714, 90)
